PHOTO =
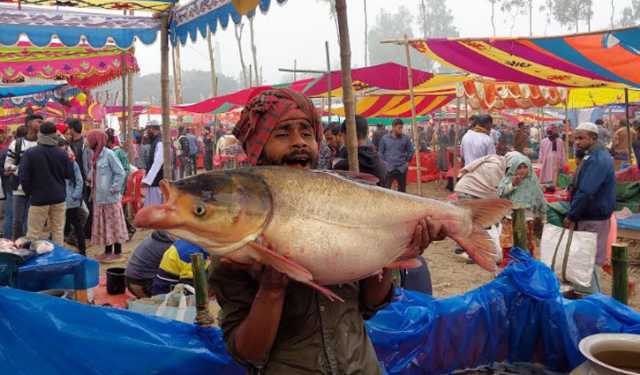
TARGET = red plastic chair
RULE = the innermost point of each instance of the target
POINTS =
(133, 192)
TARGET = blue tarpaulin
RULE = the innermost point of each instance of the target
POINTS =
(10, 91)
(58, 269)
(632, 222)
(519, 317)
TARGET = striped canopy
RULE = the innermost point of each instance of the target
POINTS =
(599, 59)
(391, 106)
(148, 5)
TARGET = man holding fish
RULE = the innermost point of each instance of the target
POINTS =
(289, 243)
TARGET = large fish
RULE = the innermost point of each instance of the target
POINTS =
(326, 229)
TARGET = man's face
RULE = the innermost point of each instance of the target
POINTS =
(397, 129)
(584, 139)
(331, 140)
(34, 124)
(293, 144)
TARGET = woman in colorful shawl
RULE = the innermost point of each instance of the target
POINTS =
(520, 186)
(552, 157)
(108, 226)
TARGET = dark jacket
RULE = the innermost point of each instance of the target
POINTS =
(368, 159)
(43, 171)
(594, 197)
(145, 260)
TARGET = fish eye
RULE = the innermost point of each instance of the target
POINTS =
(199, 209)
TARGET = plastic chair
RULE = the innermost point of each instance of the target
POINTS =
(133, 192)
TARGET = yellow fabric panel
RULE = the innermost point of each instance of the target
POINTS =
(172, 264)
(591, 97)
(245, 6)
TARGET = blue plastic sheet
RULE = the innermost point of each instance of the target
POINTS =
(519, 317)
(632, 222)
(59, 269)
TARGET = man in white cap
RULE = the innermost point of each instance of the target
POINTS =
(593, 197)
(153, 165)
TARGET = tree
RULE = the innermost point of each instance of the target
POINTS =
(238, 32)
(254, 53)
(631, 14)
(332, 13)
(569, 13)
(393, 26)
(435, 21)
(522, 7)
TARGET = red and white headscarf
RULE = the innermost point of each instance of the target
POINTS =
(268, 109)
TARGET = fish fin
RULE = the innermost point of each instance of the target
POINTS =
(480, 248)
(290, 268)
(404, 264)
(486, 212)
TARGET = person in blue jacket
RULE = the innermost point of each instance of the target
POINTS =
(593, 196)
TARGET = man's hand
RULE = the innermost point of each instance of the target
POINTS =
(568, 223)
(273, 281)
(426, 231)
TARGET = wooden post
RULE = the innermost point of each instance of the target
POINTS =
(347, 85)
(203, 317)
(626, 115)
(124, 93)
(164, 101)
(520, 232)
(295, 70)
(177, 78)
(330, 88)
(212, 57)
(129, 129)
(620, 264)
(414, 126)
(455, 142)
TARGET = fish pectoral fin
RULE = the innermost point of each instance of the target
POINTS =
(290, 268)
(480, 248)
(404, 264)
(486, 212)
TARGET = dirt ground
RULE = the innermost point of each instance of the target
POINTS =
(450, 273)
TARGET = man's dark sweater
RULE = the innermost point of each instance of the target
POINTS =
(368, 159)
(43, 170)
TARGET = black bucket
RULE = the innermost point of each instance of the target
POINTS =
(115, 280)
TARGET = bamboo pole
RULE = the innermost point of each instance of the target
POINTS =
(203, 317)
(164, 102)
(177, 78)
(414, 126)
(212, 57)
(329, 86)
(347, 85)
(128, 132)
(455, 142)
(620, 264)
(626, 115)
(124, 94)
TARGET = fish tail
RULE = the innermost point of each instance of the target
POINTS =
(486, 212)
(480, 248)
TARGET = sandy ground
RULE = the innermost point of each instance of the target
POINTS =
(451, 275)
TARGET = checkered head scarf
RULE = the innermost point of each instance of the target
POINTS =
(268, 109)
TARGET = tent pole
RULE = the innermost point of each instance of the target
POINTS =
(347, 85)
(626, 115)
(129, 129)
(214, 77)
(567, 130)
(455, 142)
(124, 94)
(326, 49)
(164, 86)
(414, 126)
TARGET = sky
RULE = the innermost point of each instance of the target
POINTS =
(298, 29)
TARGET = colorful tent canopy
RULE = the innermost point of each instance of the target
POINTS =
(41, 25)
(82, 66)
(397, 105)
(203, 15)
(600, 59)
(150, 5)
(9, 91)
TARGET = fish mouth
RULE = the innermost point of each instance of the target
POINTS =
(164, 216)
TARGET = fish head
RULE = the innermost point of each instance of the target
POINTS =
(218, 211)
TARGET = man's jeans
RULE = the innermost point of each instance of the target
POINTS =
(20, 215)
(51, 216)
(7, 229)
(400, 177)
